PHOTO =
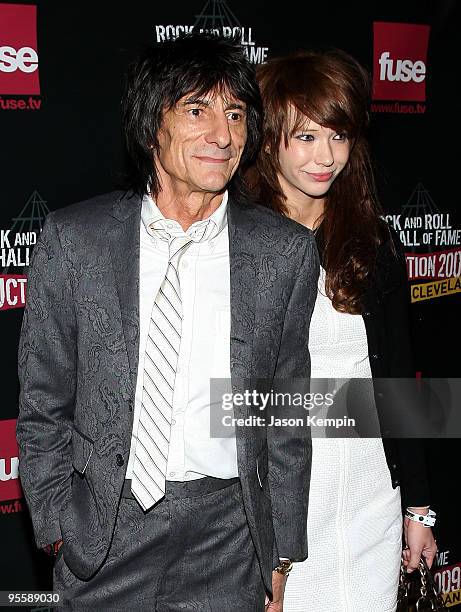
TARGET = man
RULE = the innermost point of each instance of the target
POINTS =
(135, 300)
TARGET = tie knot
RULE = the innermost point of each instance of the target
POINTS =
(178, 245)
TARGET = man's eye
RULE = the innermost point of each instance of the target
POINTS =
(195, 112)
(235, 116)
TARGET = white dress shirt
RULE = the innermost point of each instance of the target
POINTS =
(204, 275)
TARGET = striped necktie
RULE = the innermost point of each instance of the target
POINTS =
(160, 364)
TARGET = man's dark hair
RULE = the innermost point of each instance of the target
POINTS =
(165, 72)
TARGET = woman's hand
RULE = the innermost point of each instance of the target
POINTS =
(419, 540)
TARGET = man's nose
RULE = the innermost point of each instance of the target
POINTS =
(219, 132)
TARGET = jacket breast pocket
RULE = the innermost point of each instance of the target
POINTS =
(82, 450)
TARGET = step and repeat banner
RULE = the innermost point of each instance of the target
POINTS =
(61, 76)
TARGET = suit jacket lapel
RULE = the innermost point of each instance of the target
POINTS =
(243, 287)
(124, 247)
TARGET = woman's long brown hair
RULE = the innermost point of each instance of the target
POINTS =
(332, 89)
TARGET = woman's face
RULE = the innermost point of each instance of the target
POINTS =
(314, 157)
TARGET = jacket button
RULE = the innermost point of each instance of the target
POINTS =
(367, 314)
(396, 483)
(394, 466)
(380, 395)
(120, 460)
(375, 356)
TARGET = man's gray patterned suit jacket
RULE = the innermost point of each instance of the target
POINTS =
(78, 361)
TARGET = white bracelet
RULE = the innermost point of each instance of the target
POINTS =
(428, 520)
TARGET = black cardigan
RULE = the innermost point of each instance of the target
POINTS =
(386, 302)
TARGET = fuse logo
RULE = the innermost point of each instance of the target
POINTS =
(19, 74)
(25, 59)
(400, 61)
(10, 486)
(405, 70)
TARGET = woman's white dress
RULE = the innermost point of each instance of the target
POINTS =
(355, 521)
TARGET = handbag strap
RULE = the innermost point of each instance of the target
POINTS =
(429, 598)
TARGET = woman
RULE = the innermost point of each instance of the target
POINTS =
(314, 167)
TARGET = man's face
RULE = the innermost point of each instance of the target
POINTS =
(201, 142)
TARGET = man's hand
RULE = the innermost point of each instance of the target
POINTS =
(52, 549)
(278, 590)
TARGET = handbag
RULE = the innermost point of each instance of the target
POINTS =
(417, 591)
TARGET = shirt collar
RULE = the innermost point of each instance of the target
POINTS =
(157, 225)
